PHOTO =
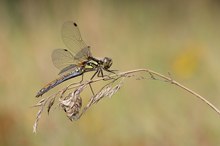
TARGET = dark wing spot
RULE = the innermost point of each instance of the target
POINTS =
(75, 24)
(65, 50)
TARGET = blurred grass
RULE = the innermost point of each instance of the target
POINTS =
(181, 37)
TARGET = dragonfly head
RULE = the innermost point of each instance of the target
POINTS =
(107, 63)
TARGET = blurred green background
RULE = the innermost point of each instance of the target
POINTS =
(176, 36)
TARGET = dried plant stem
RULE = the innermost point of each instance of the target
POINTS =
(70, 97)
(197, 95)
(169, 79)
(154, 74)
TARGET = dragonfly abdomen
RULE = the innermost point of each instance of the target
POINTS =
(56, 82)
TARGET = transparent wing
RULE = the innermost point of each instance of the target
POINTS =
(72, 39)
(63, 60)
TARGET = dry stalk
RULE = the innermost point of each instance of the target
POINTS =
(71, 102)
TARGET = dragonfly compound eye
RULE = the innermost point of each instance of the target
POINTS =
(107, 62)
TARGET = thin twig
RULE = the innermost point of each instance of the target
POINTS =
(179, 85)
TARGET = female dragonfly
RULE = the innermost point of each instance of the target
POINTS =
(76, 60)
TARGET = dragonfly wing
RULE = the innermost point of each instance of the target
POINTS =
(72, 39)
(83, 54)
(71, 67)
(63, 59)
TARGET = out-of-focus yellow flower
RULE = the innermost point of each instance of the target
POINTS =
(187, 61)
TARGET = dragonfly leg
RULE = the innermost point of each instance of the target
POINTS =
(109, 77)
(90, 86)
(100, 72)
(111, 71)
(82, 78)
(95, 74)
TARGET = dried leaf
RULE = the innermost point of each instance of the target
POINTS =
(50, 104)
(40, 103)
(113, 90)
(72, 103)
(38, 118)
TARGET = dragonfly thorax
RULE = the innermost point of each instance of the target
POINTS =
(104, 63)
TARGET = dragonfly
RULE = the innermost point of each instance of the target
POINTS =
(76, 60)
